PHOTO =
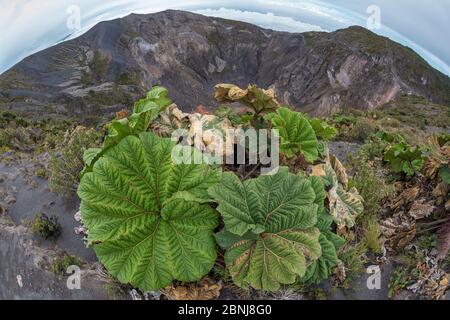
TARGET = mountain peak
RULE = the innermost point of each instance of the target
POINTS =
(116, 61)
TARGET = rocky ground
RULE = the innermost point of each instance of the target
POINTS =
(25, 260)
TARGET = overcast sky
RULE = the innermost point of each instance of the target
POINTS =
(32, 25)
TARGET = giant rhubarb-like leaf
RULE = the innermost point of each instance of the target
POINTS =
(269, 233)
(329, 241)
(145, 215)
(297, 135)
(144, 112)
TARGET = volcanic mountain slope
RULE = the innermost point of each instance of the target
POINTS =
(116, 61)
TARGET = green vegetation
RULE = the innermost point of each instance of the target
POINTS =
(23, 135)
(399, 281)
(144, 112)
(128, 78)
(163, 205)
(171, 209)
(330, 243)
(269, 233)
(352, 255)
(323, 130)
(227, 112)
(61, 262)
(116, 96)
(42, 173)
(45, 226)
(99, 65)
(258, 101)
(98, 69)
(67, 160)
(8, 118)
(20, 138)
(373, 189)
(403, 158)
(372, 234)
(296, 133)
(371, 186)
(417, 111)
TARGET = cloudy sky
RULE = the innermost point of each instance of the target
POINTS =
(32, 25)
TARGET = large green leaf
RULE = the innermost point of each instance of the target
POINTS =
(318, 186)
(405, 158)
(323, 130)
(145, 215)
(144, 112)
(330, 242)
(444, 173)
(297, 135)
(269, 228)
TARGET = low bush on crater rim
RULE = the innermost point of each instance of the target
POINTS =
(152, 221)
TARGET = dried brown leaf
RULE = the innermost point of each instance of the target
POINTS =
(122, 114)
(440, 193)
(420, 211)
(405, 198)
(397, 234)
(341, 173)
(318, 170)
(443, 238)
(206, 289)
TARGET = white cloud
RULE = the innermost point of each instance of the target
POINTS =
(265, 20)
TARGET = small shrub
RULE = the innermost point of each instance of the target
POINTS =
(390, 123)
(227, 112)
(399, 281)
(99, 65)
(41, 173)
(372, 234)
(61, 263)
(7, 118)
(46, 227)
(21, 139)
(66, 167)
(340, 119)
(363, 129)
(353, 258)
(373, 149)
(371, 186)
(128, 78)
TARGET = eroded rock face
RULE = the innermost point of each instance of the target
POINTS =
(117, 61)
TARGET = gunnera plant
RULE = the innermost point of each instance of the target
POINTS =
(151, 218)
(270, 236)
(148, 219)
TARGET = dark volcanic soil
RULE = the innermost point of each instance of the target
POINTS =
(24, 259)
